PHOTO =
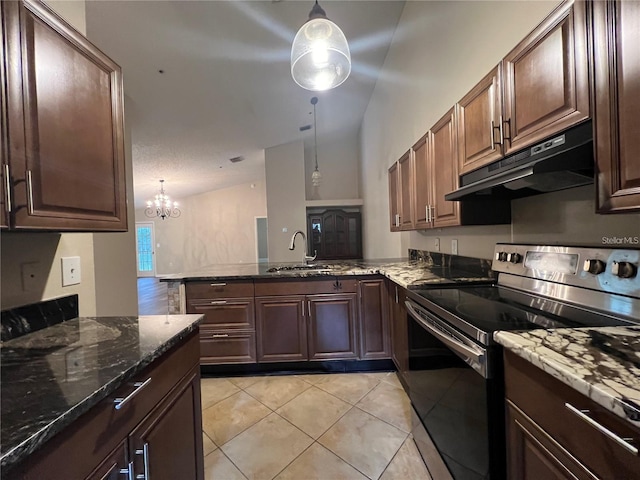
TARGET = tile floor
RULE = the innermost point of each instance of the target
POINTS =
(304, 427)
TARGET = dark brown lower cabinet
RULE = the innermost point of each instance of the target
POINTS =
(332, 326)
(281, 329)
(156, 435)
(374, 319)
(553, 430)
(399, 335)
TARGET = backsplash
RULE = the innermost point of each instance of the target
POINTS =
(19, 321)
(478, 266)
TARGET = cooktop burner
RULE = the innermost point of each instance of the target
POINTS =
(492, 308)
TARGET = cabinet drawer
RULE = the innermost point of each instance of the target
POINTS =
(221, 289)
(226, 347)
(306, 287)
(543, 399)
(225, 313)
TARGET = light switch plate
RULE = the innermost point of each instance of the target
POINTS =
(70, 271)
(454, 247)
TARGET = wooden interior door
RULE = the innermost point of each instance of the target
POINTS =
(444, 165)
(66, 143)
(546, 85)
(616, 101)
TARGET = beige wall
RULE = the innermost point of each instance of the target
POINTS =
(108, 285)
(284, 168)
(338, 164)
(216, 227)
(439, 51)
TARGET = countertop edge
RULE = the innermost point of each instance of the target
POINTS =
(20, 452)
(515, 343)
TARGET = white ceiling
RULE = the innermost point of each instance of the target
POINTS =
(226, 89)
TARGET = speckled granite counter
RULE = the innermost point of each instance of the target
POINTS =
(601, 363)
(52, 376)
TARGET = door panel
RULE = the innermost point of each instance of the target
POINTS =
(332, 326)
(281, 329)
(444, 165)
(145, 254)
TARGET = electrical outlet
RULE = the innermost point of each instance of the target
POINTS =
(30, 276)
(454, 247)
(436, 244)
(70, 271)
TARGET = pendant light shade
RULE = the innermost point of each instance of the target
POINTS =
(320, 58)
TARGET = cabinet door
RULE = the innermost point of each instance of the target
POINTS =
(224, 313)
(532, 454)
(114, 467)
(480, 123)
(399, 335)
(65, 114)
(421, 184)
(394, 200)
(616, 103)
(5, 205)
(332, 326)
(444, 165)
(405, 175)
(281, 329)
(546, 87)
(374, 320)
(167, 444)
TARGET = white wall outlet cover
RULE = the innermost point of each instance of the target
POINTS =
(71, 274)
(454, 247)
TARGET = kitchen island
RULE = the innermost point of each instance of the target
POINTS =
(81, 389)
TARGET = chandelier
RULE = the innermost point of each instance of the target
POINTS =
(320, 58)
(161, 206)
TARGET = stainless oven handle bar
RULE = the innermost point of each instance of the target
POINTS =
(476, 354)
(623, 442)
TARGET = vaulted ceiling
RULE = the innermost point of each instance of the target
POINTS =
(206, 81)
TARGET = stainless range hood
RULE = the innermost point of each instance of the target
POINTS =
(561, 162)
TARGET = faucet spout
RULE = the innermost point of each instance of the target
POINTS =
(292, 246)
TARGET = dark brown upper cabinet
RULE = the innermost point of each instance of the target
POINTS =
(405, 176)
(445, 172)
(64, 110)
(546, 79)
(616, 101)
(423, 202)
(394, 201)
(480, 123)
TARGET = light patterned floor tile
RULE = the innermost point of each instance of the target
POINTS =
(390, 404)
(215, 389)
(276, 391)
(207, 444)
(314, 411)
(243, 382)
(218, 467)
(233, 415)
(363, 441)
(350, 387)
(392, 379)
(318, 463)
(265, 449)
(407, 464)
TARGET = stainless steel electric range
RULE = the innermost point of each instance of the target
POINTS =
(455, 374)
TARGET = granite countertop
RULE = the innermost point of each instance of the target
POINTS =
(406, 273)
(52, 376)
(601, 363)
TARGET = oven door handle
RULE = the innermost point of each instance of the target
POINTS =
(476, 355)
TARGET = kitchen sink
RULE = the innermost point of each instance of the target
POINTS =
(300, 267)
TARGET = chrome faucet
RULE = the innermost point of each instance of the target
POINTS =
(292, 246)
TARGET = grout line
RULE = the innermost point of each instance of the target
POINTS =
(237, 468)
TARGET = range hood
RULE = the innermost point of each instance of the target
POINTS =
(563, 161)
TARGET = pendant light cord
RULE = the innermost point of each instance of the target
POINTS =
(314, 100)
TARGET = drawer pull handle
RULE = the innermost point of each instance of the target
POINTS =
(145, 456)
(128, 471)
(219, 302)
(583, 415)
(220, 335)
(121, 402)
(29, 192)
(7, 186)
(221, 284)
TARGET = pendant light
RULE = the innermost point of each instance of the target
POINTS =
(320, 58)
(316, 177)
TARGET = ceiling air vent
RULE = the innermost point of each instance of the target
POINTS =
(236, 159)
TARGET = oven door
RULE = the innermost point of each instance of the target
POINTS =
(457, 402)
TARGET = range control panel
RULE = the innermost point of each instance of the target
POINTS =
(605, 269)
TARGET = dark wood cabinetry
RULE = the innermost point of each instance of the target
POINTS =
(227, 333)
(549, 435)
(394, 198)
(63, 124)
(335, 234)
(405, 193)
(546, 83)
(282, 329)
(616, 101)
(332, 321)
(423, 191)
(156, 434)
(399, 334)
(374, 319)
(444, 170)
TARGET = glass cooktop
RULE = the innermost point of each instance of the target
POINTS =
(492, 308)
